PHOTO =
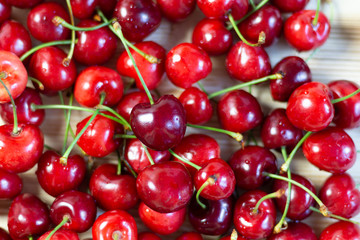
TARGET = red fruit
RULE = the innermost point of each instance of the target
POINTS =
(190, 236)
(107, 6)
(215, 8)
(239, 9)
(290, 5)
(148, 236)
(61, 234)
(4, 235)
(5, 10)
(11, 185)
(24, 3)
(176, 10)
(295, 230)
(83, 8)
(341, 230)
(129, 101)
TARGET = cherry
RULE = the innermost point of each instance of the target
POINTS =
(239, 111)
(249, 163)
(165, 187)
(215, 219)
(295, 230)
(83, 9)
(148, 236)
(251, 224)
(290, 5)
(239, 9)
(212, 36)
(4, 235)
(176, 10)
(234, 236)
(115, 224)
(40, 25)
(5, 10)
(28, 216)
(159, 126)
(331, 150)
(24, 3)
(129, 101)
(296, 73)
(10, 185)
(300, 32)
(310, 108)
(246, 63)
(161, 223)
(215, 8)
(138, 18)
(347, 114)
(112, 191)
(107, 6)
(341, 230)
(151, 72)
(190, 236)
(61, 234)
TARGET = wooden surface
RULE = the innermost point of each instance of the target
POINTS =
(338, 59)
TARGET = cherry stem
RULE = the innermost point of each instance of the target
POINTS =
(278, 75)
(234, 235)
(184, 160)
(37, 81)
(316, 18)
(148, 154)
(276, 194)
(346, 97)
(250, 89)
(335, 216)
(3, 75)
(252, 4)
(60, 21)
(49, 148)
(109, 109)
(125, 136)
(201, 86)
(66, 61)
(128, 166)
(118, 171)
(67, 120)
(31, 237)
(238, 136)
(210, 181)
(48, 44)
(62, 223)
(148, 57)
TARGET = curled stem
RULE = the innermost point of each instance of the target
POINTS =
(276, 194)
(62, 223)
(210, 181)
(37, 81)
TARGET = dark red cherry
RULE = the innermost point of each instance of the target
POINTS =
(233, 236)
(114, 223)
(28, 216)
(254, 225)
(212, 36)
(239, 9)
(24, 3)
(331, 150)
(239, 111)
(129, 101)
(215, 8)
(190, 236)
(61, 234)
(197, 105)
(78, 206)
(151, 72)
(347, 112)
(296, 73)
(246, 63)
(159, 126)
(176, 10)
(186, 64)
(56, 178)
(94, 47)
(112, 191)
(310, 108)
(341, 230)
(107, 6)
(83, 8)
(300, 32)
(138, 18)
(295, 230)
(290, 5)
(4, 235)
(10, 185)
(40, 25)
(250, 163)
(161, 223)
(165, 187)
(5, 10)
(148, 236)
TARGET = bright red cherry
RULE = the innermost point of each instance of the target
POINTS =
(10, 185)
(190, 236)
(61, 234)
(129, 101)
(148, 236)
(24, 3)
(290, 5)
(4, 235)
(295, 230)
(341, 230)
(302, 35)
(215, 8)
(176, 10)
(186, 64)
(239, 9)
(83, 8)
(5, 10)
(107, 6)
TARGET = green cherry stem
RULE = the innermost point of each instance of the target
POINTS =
(62, 223)
(148, 154)
(335, 216)
(125, 136)
(201, 86)
(238, 136)
(31, 237)
(40, 85)
(60, 21)
(128, 166)
(3, 75)
(316, 18)
(65, 113)
(118, 171)
(67, 124)
(184, 160)
(210, 181)
(346, 97)
(66, 61)
(276, 194)
(48, 44)
(148, 57)
(109, 109)
(252, 4)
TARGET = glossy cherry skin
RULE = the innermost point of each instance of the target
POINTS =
(186, 64)
(129, 101)
(176, 10)
(96, 80)
(250, 163)
(165, 187)
(56, 178)
(198, 149)
(15, 76)
(78, 206)
(5, 10)
(215, 8)
(290, 5)
(22, 151)
(341, 196)
(302, 35)
(138, 18)
(136, 156)
(239, 111)
(161, 223)
(310, 108)
(107, 6)
(190, 236)
(28, 215)
(341, 230)
(24, 3)
(112, 191)
(331, 150)
(148, 236)
(83, 9)
(151, 72)
(197, 105)
(10, 185)
(347, 113)
(254, 225)
(239, 9)
(212, 36)
(295, 230)
(114, 222)
(40, 25)
(296, 73)
(61, 234)
(216, 219)
(159, 126)
(300, 201)
(4, 235)
(94, 47)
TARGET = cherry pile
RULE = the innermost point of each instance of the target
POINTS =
(139, 156)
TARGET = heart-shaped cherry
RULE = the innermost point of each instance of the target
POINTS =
(11, 185)
(341, 230)
(176, 10)
(295, 230)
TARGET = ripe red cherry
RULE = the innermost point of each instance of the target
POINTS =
(4, 235)
(11, 185)
(310, 108)
(24, 3)
(295, 230)
(341, 230)
(290, 5)
(165, 187)
(148, 236)
(107, 6)
(61, 234)
(331, 150)
(239, 9)
(159, 126)
(296, 73)
(215, 8)
(190, 236)
(56, 178)
(250, 163)
(186, 64)
(28, 216)
(112, 191)
(300, 32)
(5, 10)
(83, 8)
(114, 223)
(239, 111)
(176, 10)
(129, 101)
(161, 223)
(40, 25)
